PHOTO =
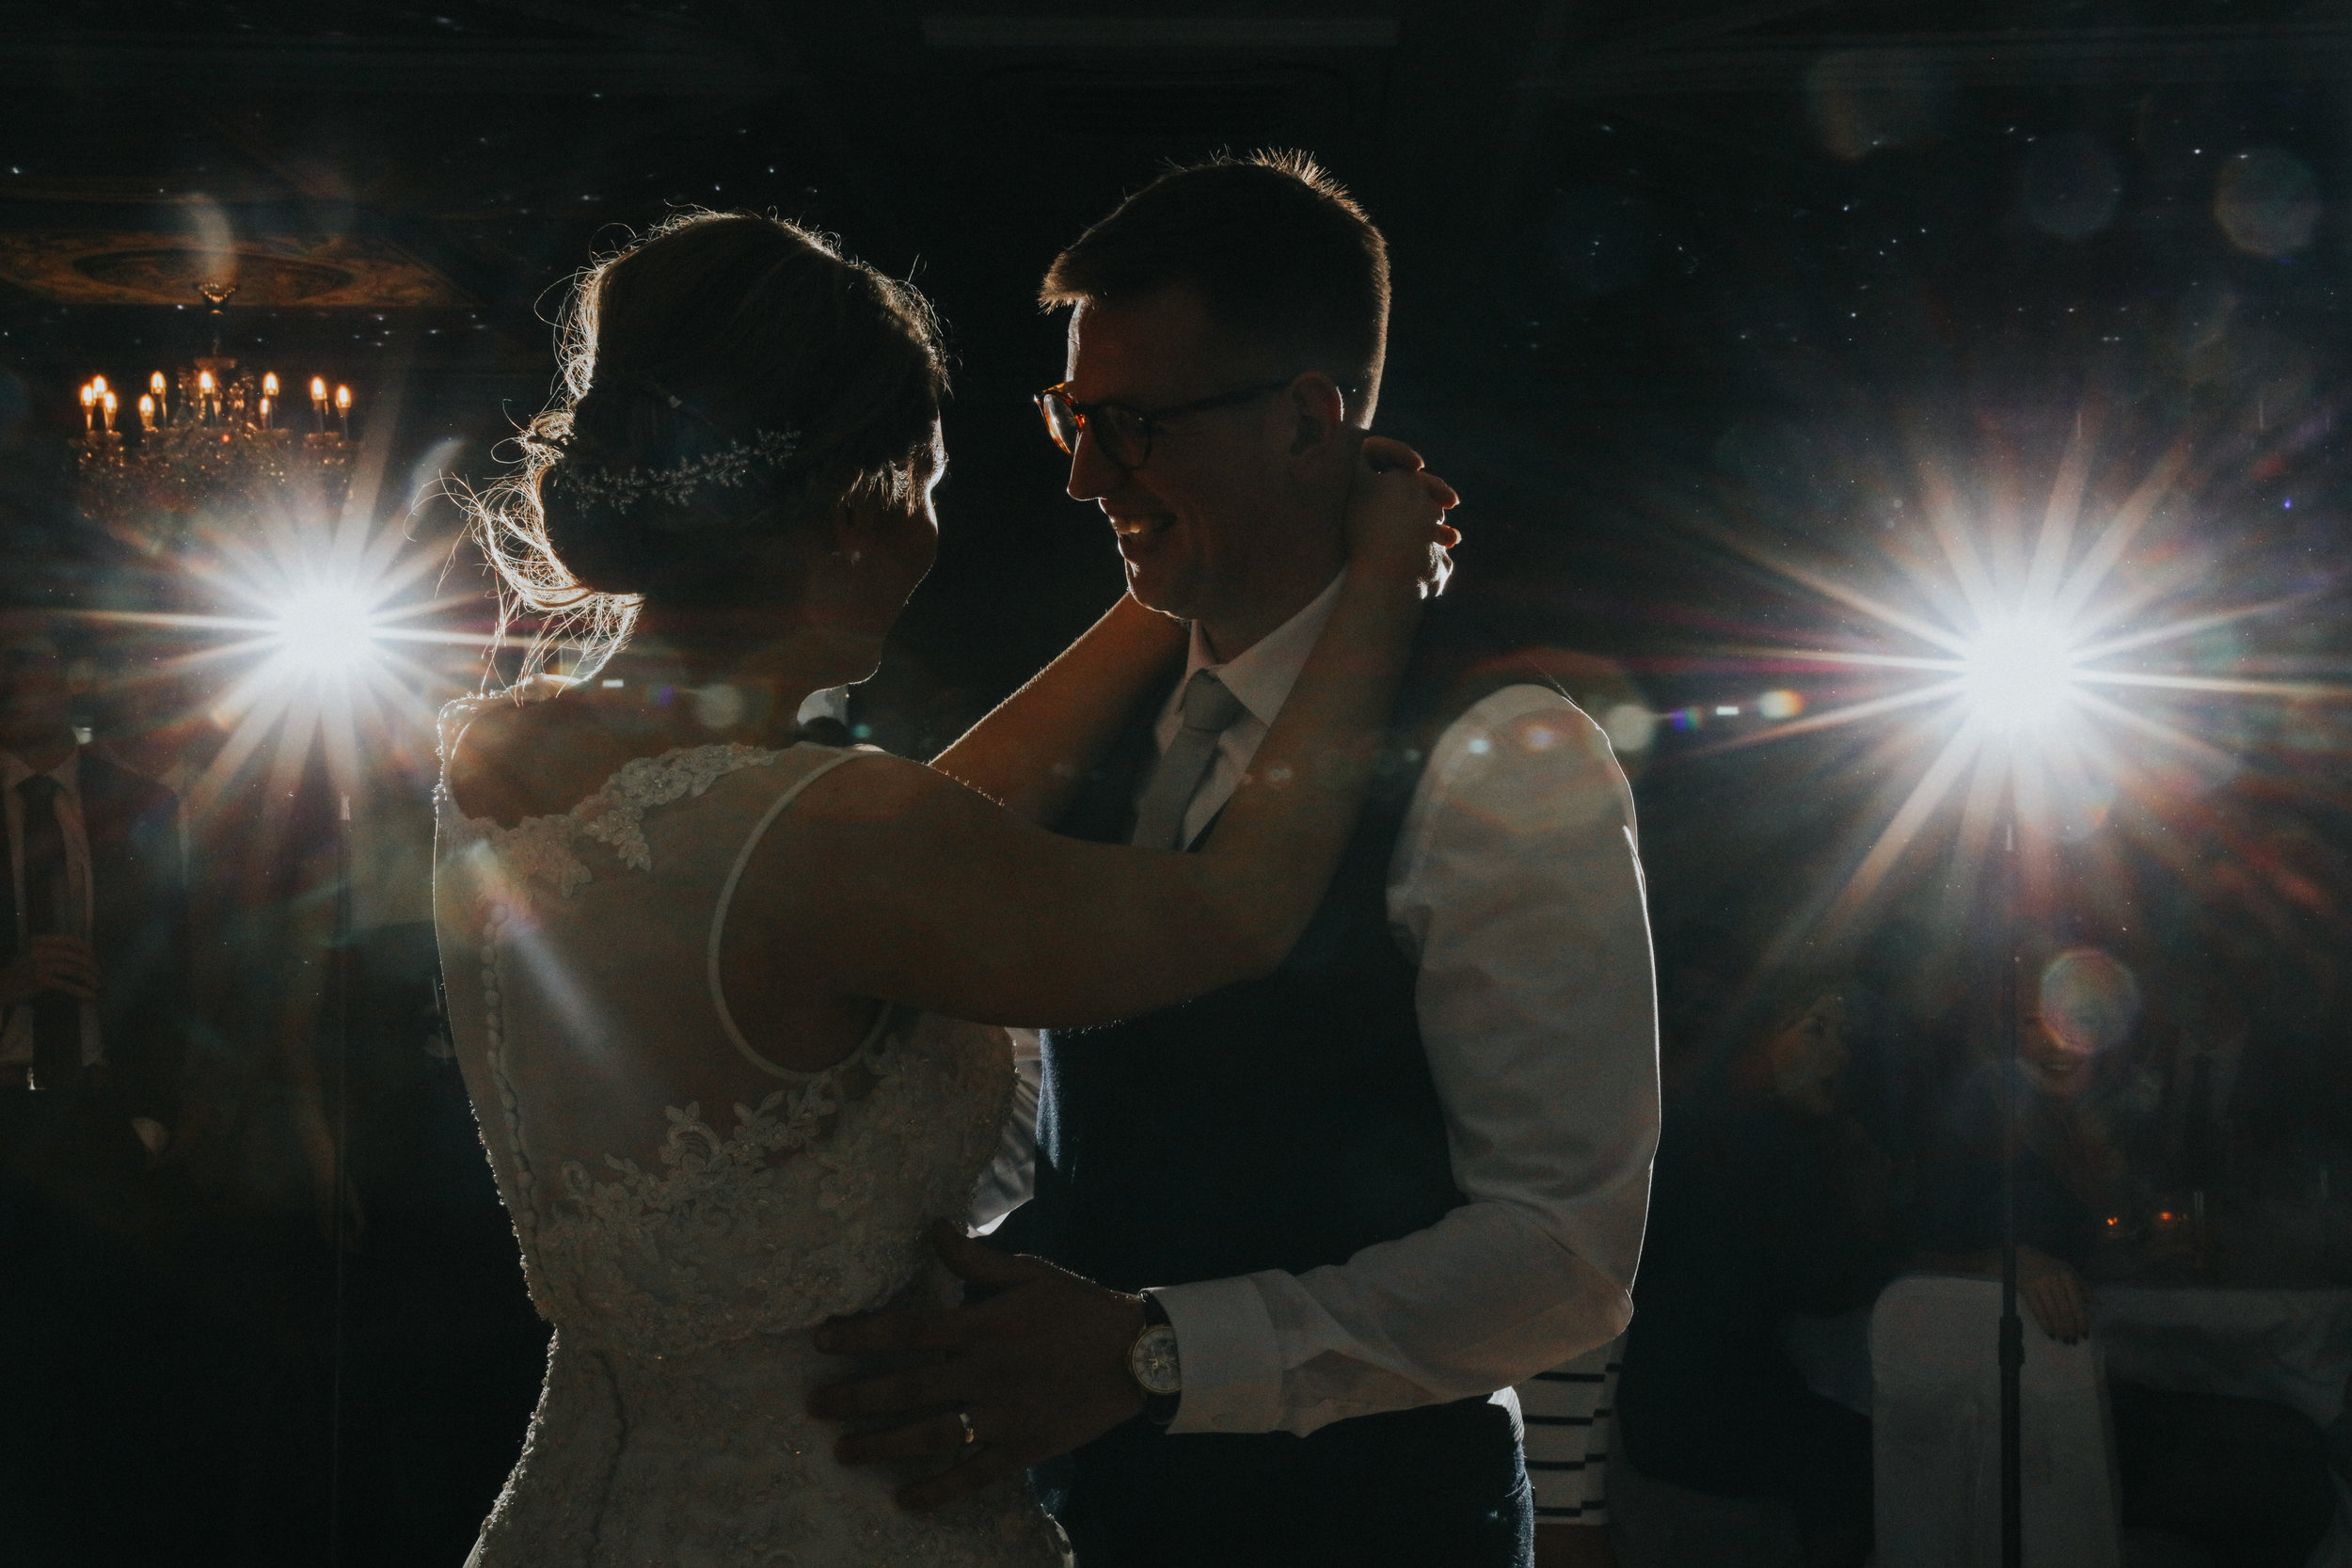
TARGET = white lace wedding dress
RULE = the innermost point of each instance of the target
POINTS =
(580, 955)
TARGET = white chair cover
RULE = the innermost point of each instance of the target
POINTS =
(1934, 1356)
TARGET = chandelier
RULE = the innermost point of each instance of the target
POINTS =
(213, 444)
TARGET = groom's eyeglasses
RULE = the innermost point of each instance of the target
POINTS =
(1124, 434)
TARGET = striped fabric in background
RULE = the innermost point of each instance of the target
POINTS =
(1568, 1420)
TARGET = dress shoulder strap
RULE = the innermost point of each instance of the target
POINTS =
(726, 898)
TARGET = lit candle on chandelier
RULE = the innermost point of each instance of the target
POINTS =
(318, 402)
(107, 402)
(90, 409)
(343, 409)
(156, 389)
(147, 411)
(269, 397)
(205, 386)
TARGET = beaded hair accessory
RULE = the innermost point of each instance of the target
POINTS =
(730, 466)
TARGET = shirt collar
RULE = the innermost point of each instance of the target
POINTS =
(68, 773)
(1261, 674)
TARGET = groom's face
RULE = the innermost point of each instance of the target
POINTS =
(1222, 511)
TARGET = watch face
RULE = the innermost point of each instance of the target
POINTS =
(1154, 1361)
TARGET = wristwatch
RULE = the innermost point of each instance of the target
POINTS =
(1152, 1361)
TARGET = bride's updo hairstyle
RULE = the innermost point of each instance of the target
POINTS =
(727, 380)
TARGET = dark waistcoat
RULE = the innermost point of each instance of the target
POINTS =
(1280, 1123)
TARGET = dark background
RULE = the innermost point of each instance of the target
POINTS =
(1682, 291)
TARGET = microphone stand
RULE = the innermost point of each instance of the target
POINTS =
(340, 1042)
(2012, 1349)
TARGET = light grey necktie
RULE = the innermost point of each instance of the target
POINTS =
(1210, 709)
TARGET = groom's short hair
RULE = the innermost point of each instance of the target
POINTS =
(1282, 254)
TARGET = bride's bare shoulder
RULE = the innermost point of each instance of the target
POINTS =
(535, 756)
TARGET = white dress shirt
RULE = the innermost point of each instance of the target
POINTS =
(1516, 887)
(16, 1035)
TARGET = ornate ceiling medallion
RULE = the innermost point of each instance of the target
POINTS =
(312, 271)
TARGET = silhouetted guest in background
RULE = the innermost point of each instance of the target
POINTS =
(1769, 1199)
(2244, 1479)
(92, 997)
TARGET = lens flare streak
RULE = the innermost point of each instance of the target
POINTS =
(2017, 696)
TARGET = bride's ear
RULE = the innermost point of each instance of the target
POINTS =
(848, 531)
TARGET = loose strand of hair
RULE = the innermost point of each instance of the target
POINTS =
(509, 526)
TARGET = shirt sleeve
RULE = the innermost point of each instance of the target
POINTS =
(1517, 888)
(1010, 1179)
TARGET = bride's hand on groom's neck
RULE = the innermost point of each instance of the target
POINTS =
(1037, 1370)
(1390, 526)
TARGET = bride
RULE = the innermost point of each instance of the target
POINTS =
(706, 978)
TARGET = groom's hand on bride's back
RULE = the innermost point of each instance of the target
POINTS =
(1037, 1369)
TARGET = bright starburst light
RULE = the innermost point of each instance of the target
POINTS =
(2052, 670)
(309, 645)
(323, 631)
(324, 651)
(2019, 674)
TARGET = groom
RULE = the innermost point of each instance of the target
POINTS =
(1288, 1240)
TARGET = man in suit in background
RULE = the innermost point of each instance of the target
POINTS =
(93, 987)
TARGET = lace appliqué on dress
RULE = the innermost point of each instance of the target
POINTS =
(536, 853)
(538, 849)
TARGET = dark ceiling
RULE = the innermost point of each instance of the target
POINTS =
(1621, 229)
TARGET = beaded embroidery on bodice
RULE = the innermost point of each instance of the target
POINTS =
(671, 1427)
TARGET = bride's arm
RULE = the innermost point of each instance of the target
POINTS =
(1028, 754)
(919, 891)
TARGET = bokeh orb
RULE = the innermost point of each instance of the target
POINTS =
(2267, 201)
(1629, 726)
(2090, 1000)
(1780, 703)
(2072, 185)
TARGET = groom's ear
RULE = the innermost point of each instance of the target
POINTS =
(1318, 412)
